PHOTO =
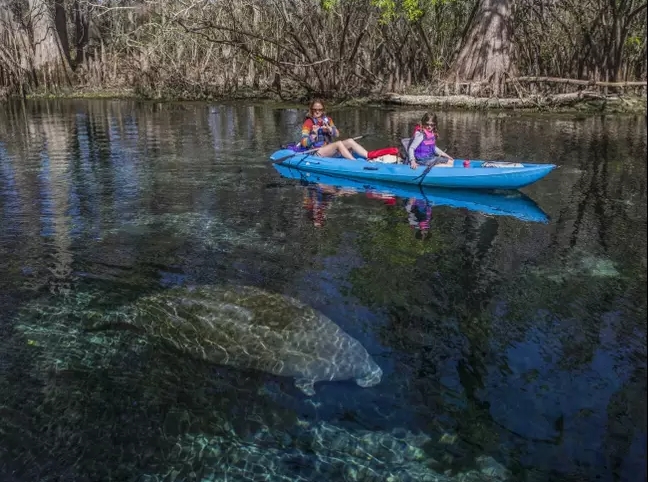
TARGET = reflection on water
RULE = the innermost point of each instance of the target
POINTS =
(509, 328)
(418, 200)
(419, 215)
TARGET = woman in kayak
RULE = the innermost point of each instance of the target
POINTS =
(318, 131)
(422, 148)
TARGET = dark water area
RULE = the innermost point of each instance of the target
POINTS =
(511, 348)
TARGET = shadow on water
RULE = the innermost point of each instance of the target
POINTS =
(503, 329)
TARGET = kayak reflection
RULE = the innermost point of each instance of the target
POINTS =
(418, 200)
(317, 201)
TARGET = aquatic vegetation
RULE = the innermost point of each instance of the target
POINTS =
(55, 333)
(579, 264)
(599, 267)
(203, 229)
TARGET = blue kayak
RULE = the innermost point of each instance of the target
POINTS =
(476, 176)
(506, 203)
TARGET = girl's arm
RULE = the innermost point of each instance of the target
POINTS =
(418, 138)
(439, 152)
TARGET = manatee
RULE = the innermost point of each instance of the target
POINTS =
(247, 327)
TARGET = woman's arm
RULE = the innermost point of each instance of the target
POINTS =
(333, 131)
(306, 134)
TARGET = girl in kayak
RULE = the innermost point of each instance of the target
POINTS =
(422, 148)
(318, 131)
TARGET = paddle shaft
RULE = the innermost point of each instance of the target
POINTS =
(431, 164)
(305, 153)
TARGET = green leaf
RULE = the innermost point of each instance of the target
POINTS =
(411, 10)
(329, 5)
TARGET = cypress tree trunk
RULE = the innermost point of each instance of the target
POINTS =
(486, 51)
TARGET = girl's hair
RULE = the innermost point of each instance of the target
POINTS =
(428, 119)
(313, 102)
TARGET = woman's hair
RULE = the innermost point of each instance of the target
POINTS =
(313, 102)
(427, 119)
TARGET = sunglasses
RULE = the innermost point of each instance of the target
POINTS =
(430, 125)
(318, 110)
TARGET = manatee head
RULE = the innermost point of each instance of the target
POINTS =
(339, 356)
(321, 351)
(368, 374)
(364, 371)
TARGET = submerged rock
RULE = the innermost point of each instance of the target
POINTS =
(318, 451)
(492, 468)
(251, 328)
(321, 452)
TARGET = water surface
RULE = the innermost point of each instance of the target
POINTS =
(498, 336)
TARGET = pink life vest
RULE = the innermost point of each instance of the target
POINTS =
(427, 148)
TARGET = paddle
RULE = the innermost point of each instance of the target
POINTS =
(437, 159)
(430, 165)
(305, 153)
(282, 159)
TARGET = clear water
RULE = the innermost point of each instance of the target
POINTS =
(505, 343)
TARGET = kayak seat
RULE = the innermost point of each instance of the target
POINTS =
(405, 142)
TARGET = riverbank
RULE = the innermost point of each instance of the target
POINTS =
(580, 102)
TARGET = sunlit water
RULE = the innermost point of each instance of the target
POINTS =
(498, 335)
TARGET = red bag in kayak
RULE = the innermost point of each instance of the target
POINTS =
(382, 152)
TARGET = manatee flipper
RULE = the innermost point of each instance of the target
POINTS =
(306, 385)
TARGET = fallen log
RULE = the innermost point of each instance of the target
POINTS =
(466, 101)
(589, 83)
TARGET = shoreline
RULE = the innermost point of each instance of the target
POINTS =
(579, 102)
